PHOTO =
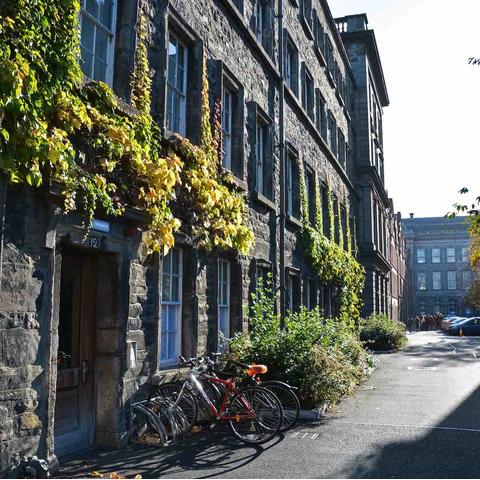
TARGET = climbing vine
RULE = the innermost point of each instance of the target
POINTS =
(348, 228)
(55, 128)
(340, 226)
(331, 214)
(329, 261)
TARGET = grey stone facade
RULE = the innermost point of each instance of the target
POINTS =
(318, 120)
(439, 271)
(381, 243)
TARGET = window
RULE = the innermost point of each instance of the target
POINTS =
(452, 307)
(464, 254)
(450, 255)
(307, 13)
(291, 66)
(307, 93)
(319, 34)
(264, 275)
(420, 255)
(435, 255)
(333, 134)
(227, 114)
(293, 292)
(452, 280)
(422, 307)
(437, 309)
(321, 115)
(310, 189)
(263, 157)
(422, 281)
(97, 20)
(328, 132)
(293, 197)
(437, 280)
(466, 279)
(231, 92)
(263, 23)
(329, 54)
(171, 314)
(223, 304)
(311, 297)
(176, 85)
(341, 148)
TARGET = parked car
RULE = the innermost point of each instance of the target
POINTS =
(469, 326)
(447, 322)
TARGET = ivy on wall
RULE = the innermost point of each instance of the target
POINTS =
(330, 261)
(54, 127)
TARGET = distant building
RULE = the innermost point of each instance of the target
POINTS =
(438, 265)
(380, 239)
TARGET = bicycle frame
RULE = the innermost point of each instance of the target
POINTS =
(230, 389)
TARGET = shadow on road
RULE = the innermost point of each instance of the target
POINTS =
(450, 352)
(445, 451)
(215, 453)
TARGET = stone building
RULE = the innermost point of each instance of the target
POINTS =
(438, 265)
(376, 218)
(84, 322)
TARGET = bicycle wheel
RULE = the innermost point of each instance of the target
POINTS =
(187, 404)
(268, 415)
(289, 401)
(144, 422)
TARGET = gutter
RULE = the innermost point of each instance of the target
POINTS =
(282, 165)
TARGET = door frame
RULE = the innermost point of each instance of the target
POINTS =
(70, 442)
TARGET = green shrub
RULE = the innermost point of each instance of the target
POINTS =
(378, 332)
(321, 357)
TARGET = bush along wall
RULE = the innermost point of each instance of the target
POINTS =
(322, 357)
(331, 262)
(378, 332)
(55, 128)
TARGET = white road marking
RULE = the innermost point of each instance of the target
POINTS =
(315, 435)
(293, 435)
(422, 368)
(427, 427)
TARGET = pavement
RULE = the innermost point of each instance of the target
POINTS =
(418, 416)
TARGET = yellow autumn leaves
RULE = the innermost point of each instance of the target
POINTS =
(54, 127)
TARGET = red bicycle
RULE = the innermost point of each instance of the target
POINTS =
(253, 413)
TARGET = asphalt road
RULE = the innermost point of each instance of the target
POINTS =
(418, 416)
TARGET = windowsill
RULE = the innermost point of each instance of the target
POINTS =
(236, 180)
(320, 56)
(294, 221)
(339, 98)
(291, 93)
(263, 200)
(331, 80)
(347, 113)
(308, 29)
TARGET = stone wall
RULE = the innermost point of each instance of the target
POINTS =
(34, 235)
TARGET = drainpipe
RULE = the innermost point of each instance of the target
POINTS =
(3, 201)
(282, 165)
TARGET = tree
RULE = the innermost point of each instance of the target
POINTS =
(472, 298)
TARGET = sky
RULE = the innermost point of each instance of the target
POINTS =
(431, 128)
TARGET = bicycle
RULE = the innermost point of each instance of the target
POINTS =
(253, 413)
(283, 391)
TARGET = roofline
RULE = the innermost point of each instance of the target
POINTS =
(337, 37)
(368, 36)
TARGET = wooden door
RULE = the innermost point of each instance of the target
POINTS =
(74, 409)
